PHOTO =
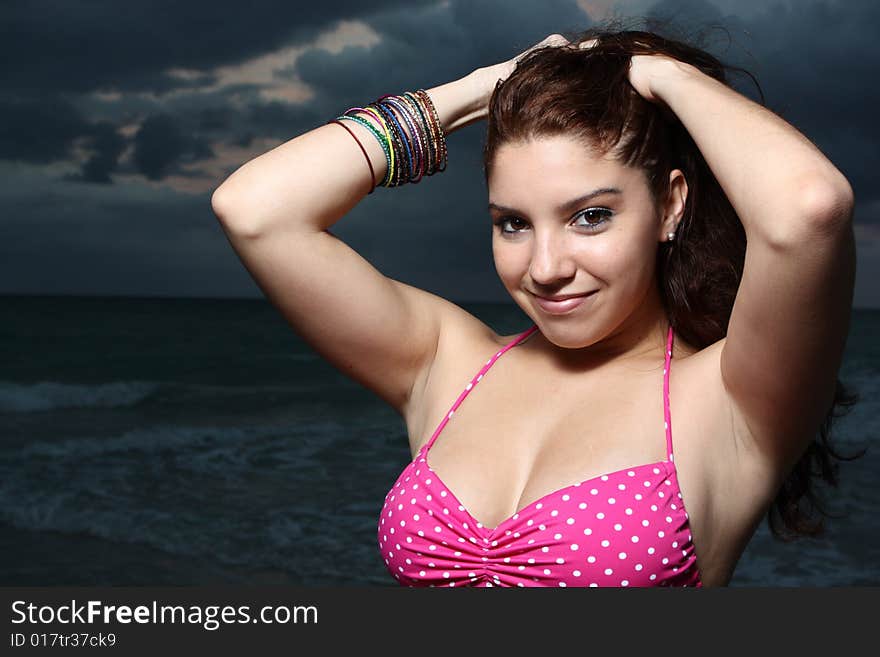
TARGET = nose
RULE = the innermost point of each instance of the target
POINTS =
(551, 262)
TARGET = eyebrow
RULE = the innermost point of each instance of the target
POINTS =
(568, 205)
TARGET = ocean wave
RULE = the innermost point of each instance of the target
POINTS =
(51, 395)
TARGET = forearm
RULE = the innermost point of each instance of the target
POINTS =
(774, 177)
(314, 179)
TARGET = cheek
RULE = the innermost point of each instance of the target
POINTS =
(509, 262)
(619, 263)
(631, 265)
(605, 261)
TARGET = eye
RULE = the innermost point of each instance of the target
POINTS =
(603, 214)
(590, 215)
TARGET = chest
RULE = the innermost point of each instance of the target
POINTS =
(519, 438)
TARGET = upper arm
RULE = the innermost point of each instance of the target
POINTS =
(376, 330)
(787, 333)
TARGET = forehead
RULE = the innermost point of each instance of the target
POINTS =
(553, 165)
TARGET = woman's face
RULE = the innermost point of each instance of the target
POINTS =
(549, 240)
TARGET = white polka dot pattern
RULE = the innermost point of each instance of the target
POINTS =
(623, 528)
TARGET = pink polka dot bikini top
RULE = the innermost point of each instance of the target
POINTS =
(623, 528)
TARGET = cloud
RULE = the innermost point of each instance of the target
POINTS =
(38, 131)
(99, 45)
(121, 123)
(160, 143)
(56, 50)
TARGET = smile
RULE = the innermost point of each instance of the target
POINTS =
(564, 306)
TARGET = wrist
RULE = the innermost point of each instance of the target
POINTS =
(666, 72)
(484, 80)
(460, 102)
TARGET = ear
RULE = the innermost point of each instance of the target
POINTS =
(673, 207)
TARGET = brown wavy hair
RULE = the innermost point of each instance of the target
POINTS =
(586, 94)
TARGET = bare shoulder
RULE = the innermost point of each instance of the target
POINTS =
(463, 341)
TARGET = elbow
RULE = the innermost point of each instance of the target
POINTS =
(817, 206)
(220, 203)
(828, 202)
(232, 219)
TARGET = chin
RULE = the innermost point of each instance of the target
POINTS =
(572, 336)
(570, 344)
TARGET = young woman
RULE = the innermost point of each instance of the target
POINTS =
(684, 254)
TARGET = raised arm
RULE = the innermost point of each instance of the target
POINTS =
(790, 319)
(276, 211)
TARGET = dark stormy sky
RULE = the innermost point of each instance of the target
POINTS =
(119, 119)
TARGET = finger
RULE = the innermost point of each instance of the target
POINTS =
(555, 40)
(552, 40)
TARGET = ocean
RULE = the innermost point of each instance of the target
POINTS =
(162, 441)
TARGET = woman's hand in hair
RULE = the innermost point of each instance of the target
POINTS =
(488, 77)
(644, 70)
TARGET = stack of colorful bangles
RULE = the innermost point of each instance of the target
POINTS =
(408, 158)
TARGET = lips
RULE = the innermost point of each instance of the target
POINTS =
(563, 303)
(563, 297)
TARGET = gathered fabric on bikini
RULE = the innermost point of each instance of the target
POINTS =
(622, 528)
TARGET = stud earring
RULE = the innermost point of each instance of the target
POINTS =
(670, 237)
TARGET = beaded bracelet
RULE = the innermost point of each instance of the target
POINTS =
(431, 131)
(414, 154)
(398, 142)
(437, 129)
(427, 145)
(363, 150)
(409, 157)
(423, 145)
(369, 126)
